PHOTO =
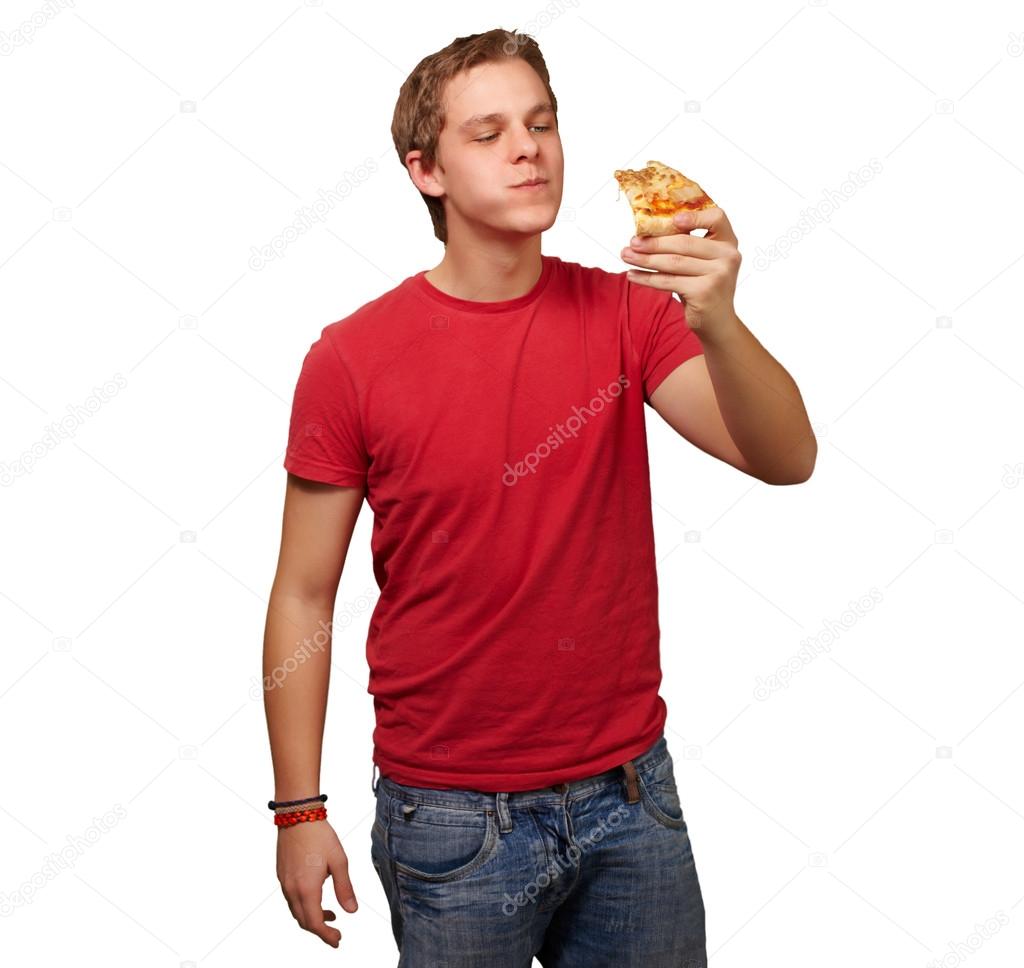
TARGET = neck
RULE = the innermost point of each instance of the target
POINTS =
(491, 273)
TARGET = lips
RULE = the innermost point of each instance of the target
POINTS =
(532, 181)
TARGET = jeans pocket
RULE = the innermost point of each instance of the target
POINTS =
(440, 844)
(380, 814)
(660, 795)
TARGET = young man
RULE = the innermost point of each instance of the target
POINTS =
(491, 412)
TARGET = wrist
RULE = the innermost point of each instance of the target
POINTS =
(297, 789)
(719, 332)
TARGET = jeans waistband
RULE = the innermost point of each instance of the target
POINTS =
(474, 799)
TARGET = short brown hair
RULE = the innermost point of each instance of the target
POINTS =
(420, 114)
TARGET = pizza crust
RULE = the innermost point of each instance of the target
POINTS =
(656, 193)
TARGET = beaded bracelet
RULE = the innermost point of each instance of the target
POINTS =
(294, 803)
(299, 816)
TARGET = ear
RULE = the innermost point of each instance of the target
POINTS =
(423, 177)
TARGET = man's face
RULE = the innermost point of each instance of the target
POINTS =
(484, 160)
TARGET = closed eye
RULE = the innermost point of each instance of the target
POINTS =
(488, 138)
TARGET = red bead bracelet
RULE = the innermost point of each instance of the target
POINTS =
(298, 816)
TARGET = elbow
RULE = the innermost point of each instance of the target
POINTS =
(798, 475)
(782, 481)
(801, 479)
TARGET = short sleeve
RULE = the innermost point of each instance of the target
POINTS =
(660, 335)
(325, 440)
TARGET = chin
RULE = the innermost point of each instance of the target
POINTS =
(532, 228)
(538, 221)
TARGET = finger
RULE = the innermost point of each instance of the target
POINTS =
(680, 265)
(313, 920)
(343, 886)
(679, 243)
(713, 219)
(293, 904)
(656, 280)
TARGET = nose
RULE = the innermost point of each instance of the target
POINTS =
(527, 143)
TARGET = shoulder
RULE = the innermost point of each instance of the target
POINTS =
(589, 283)
(357, 333)
(592, 283)
(585, 274)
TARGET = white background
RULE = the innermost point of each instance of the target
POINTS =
(869, 812)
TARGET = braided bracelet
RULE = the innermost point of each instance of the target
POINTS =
(299, 816)
(272, 805)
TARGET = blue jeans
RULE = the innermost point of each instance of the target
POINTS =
(595, 872)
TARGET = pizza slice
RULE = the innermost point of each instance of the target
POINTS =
(658, 192)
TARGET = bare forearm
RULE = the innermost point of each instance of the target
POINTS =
(761, 406)
(296, 675)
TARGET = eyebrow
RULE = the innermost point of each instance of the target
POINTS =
(497, 117)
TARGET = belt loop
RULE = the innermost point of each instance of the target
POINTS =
(632, 792)
(504, 816)
(374, 778)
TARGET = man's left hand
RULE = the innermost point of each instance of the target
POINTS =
(701, 271)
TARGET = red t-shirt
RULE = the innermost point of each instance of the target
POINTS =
(502, 445)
